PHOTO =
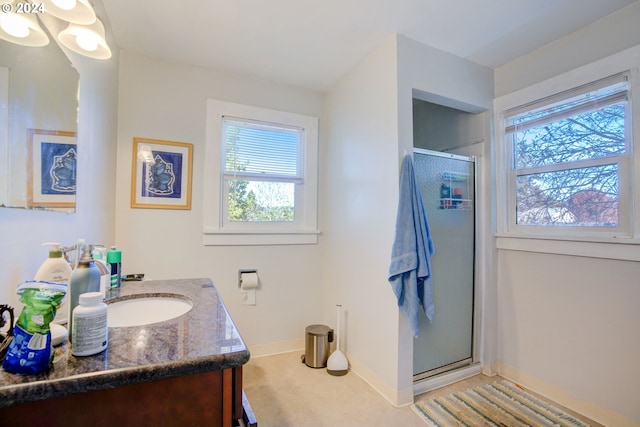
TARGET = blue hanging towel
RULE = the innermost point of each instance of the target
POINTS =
(410, 268)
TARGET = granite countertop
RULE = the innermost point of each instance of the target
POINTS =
(204, 339)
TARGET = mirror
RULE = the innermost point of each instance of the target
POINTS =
(38, 127)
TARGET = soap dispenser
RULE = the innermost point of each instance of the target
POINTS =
(56, 269)
(85, 278)
(99, 255)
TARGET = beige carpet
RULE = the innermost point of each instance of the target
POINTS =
(284, 392)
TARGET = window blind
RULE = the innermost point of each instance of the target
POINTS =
(258, 150)
(608, 91)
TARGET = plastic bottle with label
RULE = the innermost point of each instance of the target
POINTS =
(90, 332)
(99, 255)
(85, 278)
(56, 269)
(114, 259)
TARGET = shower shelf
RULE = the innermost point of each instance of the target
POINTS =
(455, 204)
(454, 176)
(455, 191)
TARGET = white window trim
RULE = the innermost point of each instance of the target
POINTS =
(555, 241)
(214, 230)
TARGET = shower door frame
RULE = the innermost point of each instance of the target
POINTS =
(446, 374)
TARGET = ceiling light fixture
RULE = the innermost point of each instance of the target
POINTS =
(87, 40)
(75, 11)
(22, 29)
(85, 33)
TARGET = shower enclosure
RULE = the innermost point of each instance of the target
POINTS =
(447, 185)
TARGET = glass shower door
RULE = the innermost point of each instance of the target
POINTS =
(447, 186)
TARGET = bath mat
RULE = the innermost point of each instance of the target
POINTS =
(501, 403)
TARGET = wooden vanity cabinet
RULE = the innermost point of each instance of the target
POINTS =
(212, 398)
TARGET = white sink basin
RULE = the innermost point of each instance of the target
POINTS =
(145, 309)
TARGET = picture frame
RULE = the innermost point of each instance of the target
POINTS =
(51, 168)
(161, 174)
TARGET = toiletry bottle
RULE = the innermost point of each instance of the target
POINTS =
(99, 255)
(445, 196)
(457, 198)
(90, 331)
(85, 278)
(56, 269)
(114, 259)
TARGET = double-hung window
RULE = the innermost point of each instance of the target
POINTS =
(263, 170)
(569, 161)
(263, 180)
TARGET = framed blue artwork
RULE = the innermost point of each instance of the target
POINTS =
(52, 168)
(161, 174)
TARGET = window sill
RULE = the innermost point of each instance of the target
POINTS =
(624, 249)
(263, 237)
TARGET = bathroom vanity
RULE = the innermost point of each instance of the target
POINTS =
(183, 371)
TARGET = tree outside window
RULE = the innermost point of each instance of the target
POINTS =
(566, 159)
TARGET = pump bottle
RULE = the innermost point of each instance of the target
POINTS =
(56, 269)
(85, 278)
(99, 255)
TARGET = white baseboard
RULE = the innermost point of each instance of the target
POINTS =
(445, 379)
(397, 398)
(597, 413)
(260, 350)
(490, 369)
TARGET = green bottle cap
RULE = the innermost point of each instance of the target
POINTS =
(114, 255)
(55, 251)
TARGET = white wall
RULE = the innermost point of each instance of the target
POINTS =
(611, 34)
(568, 325)
(167, 101)
(23, 231)
(361, 193)
(569, 330)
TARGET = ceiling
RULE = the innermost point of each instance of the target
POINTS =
(312, 43)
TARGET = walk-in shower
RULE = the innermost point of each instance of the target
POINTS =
(447, 186)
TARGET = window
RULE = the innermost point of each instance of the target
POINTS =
(569, 161)
(262, 169)
(262, 184)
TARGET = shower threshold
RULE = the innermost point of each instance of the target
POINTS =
(449, 374)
